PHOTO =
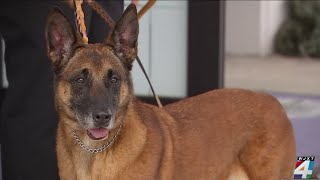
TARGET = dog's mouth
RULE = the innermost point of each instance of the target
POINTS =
(98, 133)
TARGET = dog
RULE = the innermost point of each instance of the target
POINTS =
(105, 132)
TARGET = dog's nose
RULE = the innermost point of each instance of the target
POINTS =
(102, 117)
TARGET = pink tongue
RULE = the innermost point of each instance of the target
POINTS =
(98, 132)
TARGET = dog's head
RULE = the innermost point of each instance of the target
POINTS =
(93, 84)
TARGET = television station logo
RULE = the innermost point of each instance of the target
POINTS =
(304, 167)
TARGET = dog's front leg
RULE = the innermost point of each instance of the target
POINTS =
(66, 168)
(65, 164)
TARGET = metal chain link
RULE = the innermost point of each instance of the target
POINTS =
(96, 150)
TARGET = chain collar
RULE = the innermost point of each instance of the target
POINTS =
(96, 150)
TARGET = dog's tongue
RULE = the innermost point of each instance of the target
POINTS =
(98, 133)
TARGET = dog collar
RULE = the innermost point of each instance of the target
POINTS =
(96, 150)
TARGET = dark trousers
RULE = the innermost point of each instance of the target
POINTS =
(28, 117)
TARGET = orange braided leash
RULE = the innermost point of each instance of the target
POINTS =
(80, 20)
(103, 14)
(145, 8)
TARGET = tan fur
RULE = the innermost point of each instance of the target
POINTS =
(202, 137)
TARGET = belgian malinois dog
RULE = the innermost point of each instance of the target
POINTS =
(104, 132)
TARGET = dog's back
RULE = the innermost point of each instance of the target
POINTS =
(232, 133)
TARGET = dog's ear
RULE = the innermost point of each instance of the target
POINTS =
(61, 38)
(125, 36)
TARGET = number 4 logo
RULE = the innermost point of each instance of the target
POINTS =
(304, 169)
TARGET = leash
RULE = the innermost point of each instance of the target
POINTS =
(107, 18)
(145, 8)
(81, 26)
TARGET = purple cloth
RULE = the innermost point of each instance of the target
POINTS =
(304, 113)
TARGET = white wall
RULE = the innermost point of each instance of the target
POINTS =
(271, 16)
(242, 27)
(251, 25)
(162, 49)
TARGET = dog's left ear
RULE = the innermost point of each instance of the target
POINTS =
(125, 36)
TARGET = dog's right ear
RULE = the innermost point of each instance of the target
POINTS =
(61, 38)
(124, 37)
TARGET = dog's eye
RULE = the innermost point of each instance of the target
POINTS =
(80, 80)
(114, 80)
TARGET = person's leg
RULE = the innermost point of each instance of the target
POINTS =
(28, 115)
